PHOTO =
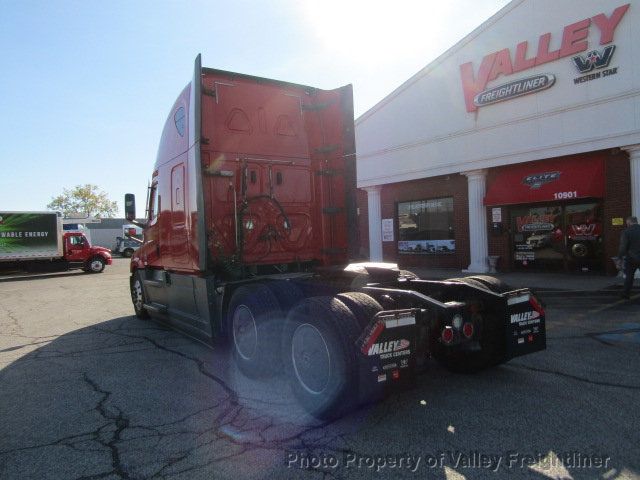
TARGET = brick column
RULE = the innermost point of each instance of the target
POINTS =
(478, 243)
(375, 223)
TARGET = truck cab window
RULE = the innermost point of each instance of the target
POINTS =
(154, 203)
(77, 240)
(178, 118)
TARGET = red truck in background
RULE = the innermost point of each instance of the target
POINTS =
(37, 241)
(251, 224)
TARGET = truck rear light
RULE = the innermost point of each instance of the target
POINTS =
(457, 321)
(467, 330)
(447, 335)
(395, 374)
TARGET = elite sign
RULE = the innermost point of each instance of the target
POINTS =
(503, 63)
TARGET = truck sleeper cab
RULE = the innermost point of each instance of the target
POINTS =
(251, 221)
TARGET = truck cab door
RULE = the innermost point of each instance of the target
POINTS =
(150, 253)
(178, 240)
(76, 248)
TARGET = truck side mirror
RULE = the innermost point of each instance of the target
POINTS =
(130, 206)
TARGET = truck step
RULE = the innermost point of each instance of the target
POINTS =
(153, 283)
(155, 307)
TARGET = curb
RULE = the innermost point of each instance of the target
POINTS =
(581, 293)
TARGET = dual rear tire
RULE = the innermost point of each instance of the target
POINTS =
(319, 356)
(254, 328)
(273, 329)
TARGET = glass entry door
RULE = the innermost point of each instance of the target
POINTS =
(557, 237)
(584, 236)
(538, 239)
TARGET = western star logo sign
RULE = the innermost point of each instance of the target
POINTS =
(502, 62)
(594, 59)
(538, 179)
(583, 229)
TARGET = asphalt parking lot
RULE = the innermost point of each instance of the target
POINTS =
(87, 391)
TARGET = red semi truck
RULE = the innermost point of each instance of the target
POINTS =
(251, 225)
(37, 241)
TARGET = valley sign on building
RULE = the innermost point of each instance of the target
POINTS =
(520, 142)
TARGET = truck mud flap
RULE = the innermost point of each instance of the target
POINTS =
(525, 329)
(387, 351)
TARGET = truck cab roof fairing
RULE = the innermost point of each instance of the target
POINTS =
(172, 144)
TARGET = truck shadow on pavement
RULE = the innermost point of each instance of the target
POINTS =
(132, 399)
(21, 277)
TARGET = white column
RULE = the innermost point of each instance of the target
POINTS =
(375, 223)
(634, 162)
(478, 244)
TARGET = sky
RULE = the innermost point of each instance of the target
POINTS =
(86, 86)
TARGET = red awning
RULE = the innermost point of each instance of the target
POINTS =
(547, 181)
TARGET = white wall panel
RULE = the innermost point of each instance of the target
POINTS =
(423, 128)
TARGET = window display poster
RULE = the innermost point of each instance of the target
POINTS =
(427, 246)
(387, 229)
(426, 226)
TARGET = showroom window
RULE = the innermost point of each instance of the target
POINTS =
(426, 226)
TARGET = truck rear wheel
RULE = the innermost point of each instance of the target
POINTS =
(361, 305)
(408, 274)
(492, 283)
(484, 281)
(137, 296)
(286, 292)
(319, 356)
(254, 326)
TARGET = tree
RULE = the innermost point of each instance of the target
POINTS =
(84, 199)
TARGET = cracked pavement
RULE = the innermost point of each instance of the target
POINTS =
(87, 391)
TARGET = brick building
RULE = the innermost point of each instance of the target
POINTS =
(520, 142)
